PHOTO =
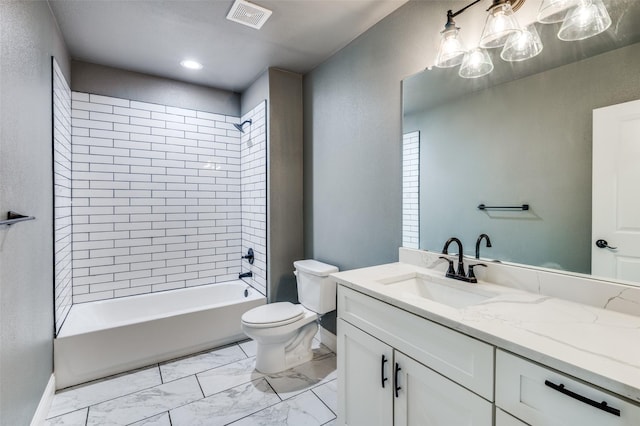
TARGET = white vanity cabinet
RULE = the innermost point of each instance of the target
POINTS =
(395, 368)
(541, 396)
(504, 419)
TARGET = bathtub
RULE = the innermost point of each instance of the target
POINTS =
(102, 338)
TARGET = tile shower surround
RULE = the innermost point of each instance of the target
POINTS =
(62, 191)
(253, 165)
(216, 387)
(156, 197)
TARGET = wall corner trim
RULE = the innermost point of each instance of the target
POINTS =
(45, 403)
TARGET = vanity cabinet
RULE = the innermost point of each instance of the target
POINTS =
(395, 368)
(541, 396)
(504, 419)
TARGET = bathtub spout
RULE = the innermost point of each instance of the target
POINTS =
(245, 275)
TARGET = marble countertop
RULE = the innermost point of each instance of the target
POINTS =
(598, 346)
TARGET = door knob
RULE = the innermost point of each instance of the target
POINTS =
(604, 244)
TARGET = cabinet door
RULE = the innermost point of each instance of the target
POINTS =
(365, 379)
(425, 398)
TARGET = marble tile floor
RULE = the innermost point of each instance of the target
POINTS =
(217, 387)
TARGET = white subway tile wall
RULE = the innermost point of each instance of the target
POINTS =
(156, 197)
(410, 189)
(62, 191)
(253, 172)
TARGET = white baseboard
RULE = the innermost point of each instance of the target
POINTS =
(45, 403)
(328, 339)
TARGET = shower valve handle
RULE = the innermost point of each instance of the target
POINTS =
(249, 256)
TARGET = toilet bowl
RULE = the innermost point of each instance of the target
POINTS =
(283, 331)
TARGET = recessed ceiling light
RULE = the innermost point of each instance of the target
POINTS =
(192, 65)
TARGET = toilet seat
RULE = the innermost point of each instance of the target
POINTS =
(273, 315)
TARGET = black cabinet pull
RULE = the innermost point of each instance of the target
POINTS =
(397, 369)
(384, 379)
(601, 405)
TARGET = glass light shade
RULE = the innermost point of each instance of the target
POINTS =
(476, 63)
(552, 11)
(500, 24)
(589, 19)
(451, 50)
(523, 45)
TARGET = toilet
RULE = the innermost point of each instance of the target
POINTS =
(283, 331)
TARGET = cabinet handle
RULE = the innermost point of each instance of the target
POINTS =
(601, 405)
(384, 379)
(397, 369)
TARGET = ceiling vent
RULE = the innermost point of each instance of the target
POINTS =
(248, 14)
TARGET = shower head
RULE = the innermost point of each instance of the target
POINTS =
(239, 126)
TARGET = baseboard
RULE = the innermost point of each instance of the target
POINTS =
(45, 403)
(328, 339)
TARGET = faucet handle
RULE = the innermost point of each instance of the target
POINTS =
(450, 271)
(472, 275)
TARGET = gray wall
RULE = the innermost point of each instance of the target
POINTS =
(256, 93)
(285, 233)
(524, 141)
(285, 237)
(29, 37)
(102, 80)
(352, 139)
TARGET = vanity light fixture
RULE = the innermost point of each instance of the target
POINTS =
(191, 64)
(581, 19)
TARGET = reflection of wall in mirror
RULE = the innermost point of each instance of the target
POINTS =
(526, 141)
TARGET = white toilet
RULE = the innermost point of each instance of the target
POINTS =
(283, 331)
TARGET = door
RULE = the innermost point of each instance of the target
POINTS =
(425, 398)
(616, 203)
(364, 378)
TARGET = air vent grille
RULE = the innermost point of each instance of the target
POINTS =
(248, 14)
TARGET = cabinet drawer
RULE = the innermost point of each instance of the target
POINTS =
(461, 358)
(541, 396)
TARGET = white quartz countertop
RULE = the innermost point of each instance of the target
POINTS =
(598, 346)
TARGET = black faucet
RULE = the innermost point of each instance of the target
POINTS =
(249, 256)
(479, 240)
(245, 275)
(460, 275)
(445, 250)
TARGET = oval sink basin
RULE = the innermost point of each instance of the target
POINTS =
(450, 293)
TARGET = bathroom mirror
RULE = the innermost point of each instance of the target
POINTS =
(521, 135)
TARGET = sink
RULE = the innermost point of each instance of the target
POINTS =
(452, 294)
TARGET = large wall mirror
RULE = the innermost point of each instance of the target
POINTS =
(521, 135)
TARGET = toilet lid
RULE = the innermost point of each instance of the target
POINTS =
(273, 314)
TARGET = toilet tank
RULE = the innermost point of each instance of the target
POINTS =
(316, 291)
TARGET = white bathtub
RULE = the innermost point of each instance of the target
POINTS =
(112, 336)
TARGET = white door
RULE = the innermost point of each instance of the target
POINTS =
(616, 192)
(425, 398)
(364, 378)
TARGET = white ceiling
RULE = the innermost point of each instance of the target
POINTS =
(153, 36)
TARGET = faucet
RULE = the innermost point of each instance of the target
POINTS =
(245, 275)
(460, 274)
(479, 240)
(445, 250)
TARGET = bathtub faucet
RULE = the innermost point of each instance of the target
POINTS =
(245, 275)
